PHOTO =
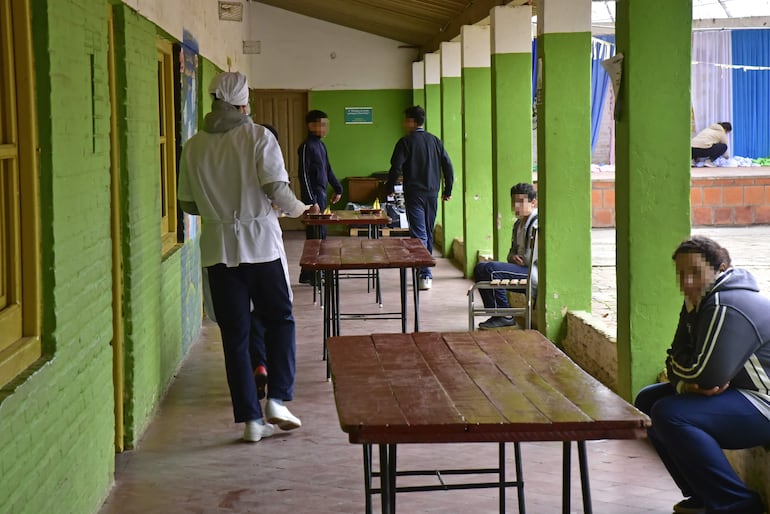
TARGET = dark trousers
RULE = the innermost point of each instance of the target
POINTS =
(265, 285)
(313, 232)
(421, 214)
(713, 153)
(689, 431)
(492, 270)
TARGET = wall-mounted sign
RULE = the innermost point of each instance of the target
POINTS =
(358, 116)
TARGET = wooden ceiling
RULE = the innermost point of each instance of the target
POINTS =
(423, 24)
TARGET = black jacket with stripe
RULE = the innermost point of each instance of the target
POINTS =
(726, 338)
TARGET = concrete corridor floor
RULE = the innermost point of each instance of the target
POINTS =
(191, 459)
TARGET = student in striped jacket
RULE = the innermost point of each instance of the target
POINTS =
(719, 391)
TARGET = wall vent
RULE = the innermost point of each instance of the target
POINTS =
(231, 11)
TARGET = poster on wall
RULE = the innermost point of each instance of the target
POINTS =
(187, 113)
(358, 116)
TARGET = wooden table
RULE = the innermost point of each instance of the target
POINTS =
(373, 222)
(496, 386)
(330, 256)
(350, 217)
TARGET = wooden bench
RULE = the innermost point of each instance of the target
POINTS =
(501, 386)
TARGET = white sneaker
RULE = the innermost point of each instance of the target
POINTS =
(253, 432)
(280, 415)
(710, 164)
(425, 283)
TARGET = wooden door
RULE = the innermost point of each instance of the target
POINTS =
(284, 110)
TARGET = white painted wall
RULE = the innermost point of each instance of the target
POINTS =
(217, 39)
(299, 52)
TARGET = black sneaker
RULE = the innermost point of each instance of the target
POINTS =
(690, 506)
(307, 279)
(497, 322)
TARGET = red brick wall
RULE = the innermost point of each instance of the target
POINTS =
(721, 201)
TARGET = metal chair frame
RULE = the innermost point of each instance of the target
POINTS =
(523, 285)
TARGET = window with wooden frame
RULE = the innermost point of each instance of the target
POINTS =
(167, 146)
(19, 204)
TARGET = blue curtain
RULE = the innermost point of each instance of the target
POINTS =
(751, 94)
(600, 81)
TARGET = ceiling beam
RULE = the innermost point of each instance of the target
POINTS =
(476, 11)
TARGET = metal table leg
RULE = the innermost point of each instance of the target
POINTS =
(565, 477)
(501, 468)
(519, 476)
(402, 276)
(368, 477)
(416, 291)
(384, 480)
(584, 482)
(392, 477)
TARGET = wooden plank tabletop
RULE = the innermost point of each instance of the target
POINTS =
(349, 217)
(358, 253)
(490, 386)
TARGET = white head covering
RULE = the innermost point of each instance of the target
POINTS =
(230, 87)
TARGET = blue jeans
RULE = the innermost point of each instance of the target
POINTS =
(421, 214)
(497, 270)
(689, 432)
(265, 285)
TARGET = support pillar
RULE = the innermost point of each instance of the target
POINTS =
(477, 144)
(418, 84)
(652, 181)
(433, 108)
(511, 70)
(452, 136)
(433, 93)
(563, 161)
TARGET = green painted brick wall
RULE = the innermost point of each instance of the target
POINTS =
(452, 136)
(206, 71)
(511, 138)
(56, 427)
(161, 312)
(477, 164)
(360, 150)
(138, 121)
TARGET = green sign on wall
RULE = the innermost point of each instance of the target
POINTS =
(358, 116)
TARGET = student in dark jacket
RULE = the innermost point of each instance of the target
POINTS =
(316, 174)
(524, 207)
(421, 159)
(719, 391)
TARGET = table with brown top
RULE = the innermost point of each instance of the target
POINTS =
(373, 219)
(331, 256)
(495, 386)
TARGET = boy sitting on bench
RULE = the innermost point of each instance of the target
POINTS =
(524, 206)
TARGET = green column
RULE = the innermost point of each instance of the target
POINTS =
(418, 83)
(652, 181)
(477, 144)
(563, 161)
(433, 108)
(511, 114)
(452, 136)
(433, 93)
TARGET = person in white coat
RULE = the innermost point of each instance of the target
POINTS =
(231, 174)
